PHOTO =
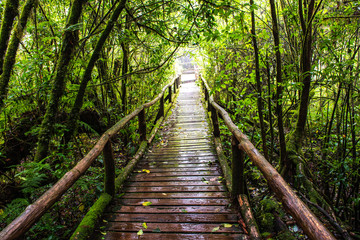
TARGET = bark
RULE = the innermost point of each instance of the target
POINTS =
(69, 43)
(283, 158)
(125, 67)
(258, 83)
(74, 115)
(10, 12)
(11, 51)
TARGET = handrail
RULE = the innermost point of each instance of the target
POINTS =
(36, 210)
(298, 210)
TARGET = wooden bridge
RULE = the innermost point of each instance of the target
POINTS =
(181, 181)
(181, 189)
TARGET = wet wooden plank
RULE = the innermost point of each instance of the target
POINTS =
(172, 217)
(172, 236)
(179, 169)
(168, 195)
(173, 178)
(171, 209)
(173, 183)
(172, 189)
(175, 202)
(172, 227)
(144, 174)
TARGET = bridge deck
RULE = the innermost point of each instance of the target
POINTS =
(180, 182)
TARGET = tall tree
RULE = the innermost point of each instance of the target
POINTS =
(257, 77)
(279, 82)
(74, 114)
(10, 12)
(69, 43)
(11, 51)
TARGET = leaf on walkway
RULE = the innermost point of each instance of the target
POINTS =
(144, 225)
(157, 230)
(215, 229)
(227, 225)
(146, 170)
(146, 203)
(140, 232)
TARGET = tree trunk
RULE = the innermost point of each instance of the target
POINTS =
(10, 12)
(11, 51)
(283, 158)
(74, 115)
(258, 83)
(125, 68)
(69, 43)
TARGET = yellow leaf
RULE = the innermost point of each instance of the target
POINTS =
(144, 225)
(146, 203)
(1, 212)
(140, 232)
(103, 233)
(227, 225)
(81, 207)
(215, 229)
(145, 170)
(105, 221)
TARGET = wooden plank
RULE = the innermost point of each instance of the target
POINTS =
(172, 165)
(176, 202)
(168, 189)
(144, 174)
(172, 236)
(171, 209)
(172, 217)
(179, 169)
(173, 183)
(173, 178)
(175, 195)
(172, 227)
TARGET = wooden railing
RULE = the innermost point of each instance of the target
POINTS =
(235, 177)
(34, 211)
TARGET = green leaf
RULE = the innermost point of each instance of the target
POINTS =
(144, 225)
(146, 203)
(215, 229)
(140, 232)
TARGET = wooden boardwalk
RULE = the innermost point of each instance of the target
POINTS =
(179, 182)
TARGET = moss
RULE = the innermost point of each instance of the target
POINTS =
(267, 222)
(268, 205)
(285, 236)
(87, 225)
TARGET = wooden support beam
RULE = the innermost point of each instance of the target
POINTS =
(109, 164)
(238, 179)
(142, 125)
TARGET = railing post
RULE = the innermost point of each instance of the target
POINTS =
(170, 96)
(142, 125)
(215, 121)
(238, 180)
(161, 109)
(109, 164)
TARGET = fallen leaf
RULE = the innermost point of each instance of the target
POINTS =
(103, 233)
(146, 170)
(183, 210)
(164, 194)
(140, 232)
(144, 225)
(146, 203)
(227, 225)
(215, 229)
(105, 221)
(157, 230)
